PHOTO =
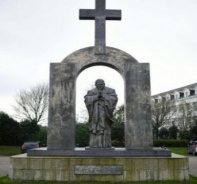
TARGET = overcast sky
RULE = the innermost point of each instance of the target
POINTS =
(35, 33)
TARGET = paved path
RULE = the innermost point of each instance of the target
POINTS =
(193, 165)
(4, 165)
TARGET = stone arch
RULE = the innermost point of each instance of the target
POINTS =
(61, 122)
(99, 64)
(85, 58)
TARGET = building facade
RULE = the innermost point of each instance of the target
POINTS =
(179, 106)
(187, 93)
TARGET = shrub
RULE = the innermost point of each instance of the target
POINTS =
(82, 135)
(116, 143)
(170, 143)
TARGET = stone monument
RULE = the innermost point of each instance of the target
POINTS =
(138, 126)
(61, 160)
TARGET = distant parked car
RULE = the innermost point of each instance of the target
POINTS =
(30, 145)
(192, 147)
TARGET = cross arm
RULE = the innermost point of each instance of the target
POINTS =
(85, 14)
(113, 14)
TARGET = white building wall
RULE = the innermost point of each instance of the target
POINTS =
(187, 97)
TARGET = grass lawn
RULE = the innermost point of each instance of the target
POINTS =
(6, 180)
(9, 150)
(179, 150)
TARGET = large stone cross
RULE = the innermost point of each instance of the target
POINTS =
(100, 14)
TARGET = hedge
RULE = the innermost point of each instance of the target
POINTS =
(116, 143)
(170, 143)
(158, 143)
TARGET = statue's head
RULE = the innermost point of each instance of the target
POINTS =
(100, 84)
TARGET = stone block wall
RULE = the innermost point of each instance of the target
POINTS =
(133, 168)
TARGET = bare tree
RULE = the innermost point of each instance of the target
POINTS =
(162, 114)
(186, 117)
(32, 104)
(119, 114)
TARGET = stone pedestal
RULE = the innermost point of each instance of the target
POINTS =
(101, 152)
(115, 169)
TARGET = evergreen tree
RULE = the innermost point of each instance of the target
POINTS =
(9, 130)
(173, 132)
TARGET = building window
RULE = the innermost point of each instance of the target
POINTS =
(192, 92)
(156, 100)
(171, 97)
(163, 99)
(181, 94)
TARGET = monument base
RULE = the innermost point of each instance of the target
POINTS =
(114, 169)
(101, 152)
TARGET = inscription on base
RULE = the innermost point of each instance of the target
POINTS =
(105, 170)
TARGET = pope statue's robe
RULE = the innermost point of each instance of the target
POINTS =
(100, 112)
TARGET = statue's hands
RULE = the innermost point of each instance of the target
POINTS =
(100, 97)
